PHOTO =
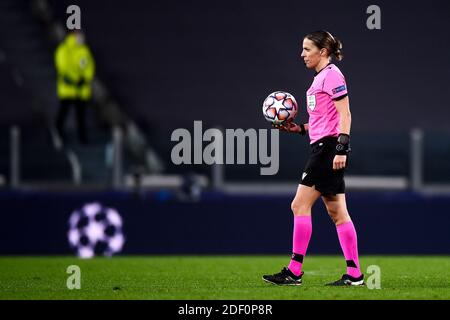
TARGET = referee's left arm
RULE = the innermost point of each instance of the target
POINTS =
(345, 117)
(345, 121)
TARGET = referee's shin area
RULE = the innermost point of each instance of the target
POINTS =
(218, 277)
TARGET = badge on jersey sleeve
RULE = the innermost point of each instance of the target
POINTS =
(339, 89)
(311, 101)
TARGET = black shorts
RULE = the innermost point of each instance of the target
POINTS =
(319, 171)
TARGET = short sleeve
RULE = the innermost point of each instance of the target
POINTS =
(334, 85)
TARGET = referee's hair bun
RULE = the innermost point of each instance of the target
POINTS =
(338, 49)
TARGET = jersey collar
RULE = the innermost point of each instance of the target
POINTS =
(315, 74)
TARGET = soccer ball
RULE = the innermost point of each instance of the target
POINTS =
(95, 230)
(279, 107)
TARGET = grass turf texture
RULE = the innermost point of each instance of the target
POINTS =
(217, 277)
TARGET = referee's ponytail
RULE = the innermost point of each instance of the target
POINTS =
(338, 49)
(324, 39)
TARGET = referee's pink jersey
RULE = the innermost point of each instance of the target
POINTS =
(328, 85)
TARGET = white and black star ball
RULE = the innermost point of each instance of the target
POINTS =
(95, 230)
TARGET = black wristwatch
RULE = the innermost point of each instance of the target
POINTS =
(343, 144)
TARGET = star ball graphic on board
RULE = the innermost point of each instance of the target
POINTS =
(95, 230)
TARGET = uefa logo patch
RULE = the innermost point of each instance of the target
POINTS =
(339, 89)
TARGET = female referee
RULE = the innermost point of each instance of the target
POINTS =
(329, 132)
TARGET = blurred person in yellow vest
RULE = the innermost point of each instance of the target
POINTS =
(75, 68)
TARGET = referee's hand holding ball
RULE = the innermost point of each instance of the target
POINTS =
(291, 126)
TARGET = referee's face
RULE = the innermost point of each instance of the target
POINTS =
(310, 54)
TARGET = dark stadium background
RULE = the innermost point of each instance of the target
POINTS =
(164, 64)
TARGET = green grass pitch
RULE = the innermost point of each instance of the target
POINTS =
(217, 277)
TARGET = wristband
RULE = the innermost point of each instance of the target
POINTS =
(302, 129)
(343, 144)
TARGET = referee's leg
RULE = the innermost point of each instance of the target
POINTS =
(304, 200)
(337, 208)
(301, 208)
